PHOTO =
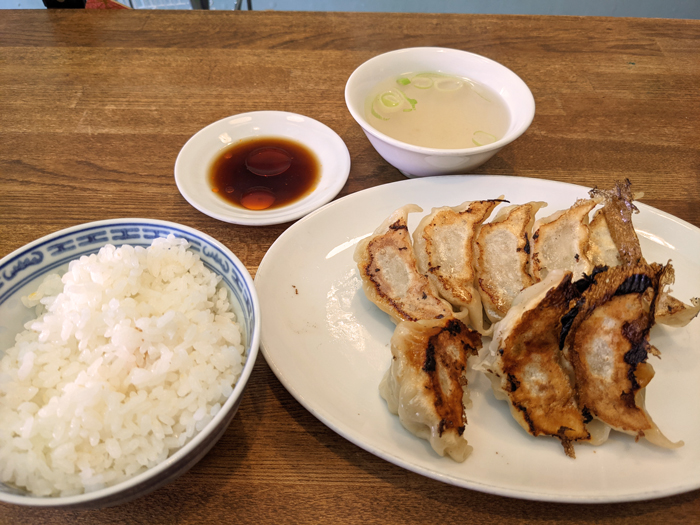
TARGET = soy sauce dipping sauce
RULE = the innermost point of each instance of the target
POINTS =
(264, 173)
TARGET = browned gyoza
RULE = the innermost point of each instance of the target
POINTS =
(526, 366)
(560, 241)
(426, 384)
(444, 246)
(608, 345)
(389, 275)
(502, 257)
(537, 384)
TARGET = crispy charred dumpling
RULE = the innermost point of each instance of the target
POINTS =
(526, 366)
(426, 384)
(443, 243)
(502, 257)
(608, 344)
(389, 275)
(602, 250)
(560, 242)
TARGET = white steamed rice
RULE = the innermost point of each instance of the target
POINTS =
(132, 353)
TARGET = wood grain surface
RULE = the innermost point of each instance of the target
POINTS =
(94, 107)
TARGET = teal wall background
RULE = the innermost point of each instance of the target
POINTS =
(633, 8)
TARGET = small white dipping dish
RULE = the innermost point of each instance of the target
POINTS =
(417, 161)
(194, 161)
(23, 270)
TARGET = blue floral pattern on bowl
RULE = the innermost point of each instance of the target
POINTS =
(44, 256)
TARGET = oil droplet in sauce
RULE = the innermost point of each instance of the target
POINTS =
(264, 173)
(268, 161)
(258, 198)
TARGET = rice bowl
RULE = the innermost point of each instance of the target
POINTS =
(117, 436)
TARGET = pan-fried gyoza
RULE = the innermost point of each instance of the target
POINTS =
(525, 364)
(560, 242)
(570, 300)
(443, 243)
(502, 257)
(606, 340)
(426, 384)
(389, 275)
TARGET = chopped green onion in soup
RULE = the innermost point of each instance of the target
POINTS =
(437, 110)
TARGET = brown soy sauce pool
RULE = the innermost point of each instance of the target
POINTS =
(231, 178)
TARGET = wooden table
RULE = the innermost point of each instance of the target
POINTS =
(94, 107)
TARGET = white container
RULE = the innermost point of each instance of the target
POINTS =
(418, 161)
(195, 158)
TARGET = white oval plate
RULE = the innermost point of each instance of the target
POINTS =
(195, 157)
(329, 346)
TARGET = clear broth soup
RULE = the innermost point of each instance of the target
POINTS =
(436, 110)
